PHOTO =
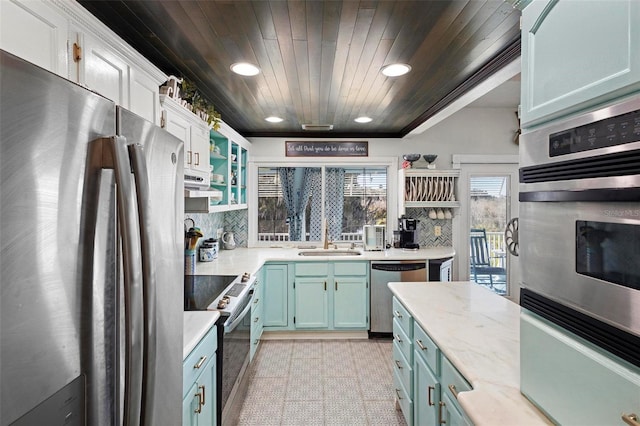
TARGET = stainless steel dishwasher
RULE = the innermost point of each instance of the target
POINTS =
(382, 273)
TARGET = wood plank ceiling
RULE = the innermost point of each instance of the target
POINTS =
(320, 61)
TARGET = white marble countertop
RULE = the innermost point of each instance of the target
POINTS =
(196, 325)
(240, 260)
(479, 332)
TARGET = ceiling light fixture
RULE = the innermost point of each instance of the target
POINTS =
(245, 68)
(363, 119)
(395, 70)
(274, 119)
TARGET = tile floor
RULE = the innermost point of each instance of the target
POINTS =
(321, 382)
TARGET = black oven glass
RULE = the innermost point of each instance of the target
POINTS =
(609, 251)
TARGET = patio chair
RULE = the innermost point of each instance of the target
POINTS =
(481, 268)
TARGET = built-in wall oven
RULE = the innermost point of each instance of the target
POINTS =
(580, 225)
(232, 297)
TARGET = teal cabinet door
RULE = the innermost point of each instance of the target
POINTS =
(199, 405)
(311, 301)
(190, 407)
(577, 54)
(450, 412)
(276, 291)
(426, 398)
(206, 387)
(350, 302)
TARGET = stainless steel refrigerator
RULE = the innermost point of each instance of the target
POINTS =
(91, 271)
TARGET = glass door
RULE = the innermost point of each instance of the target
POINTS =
(489, 213)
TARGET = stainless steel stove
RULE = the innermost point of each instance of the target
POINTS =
(231, 296)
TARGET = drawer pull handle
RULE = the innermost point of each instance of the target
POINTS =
(203, 358)
(398, 365)
(256, 319)
(453, 390)
(203, 395)
(442, 420)
(398, 339)
(397, 314)
(631, 419)
(420, 345)
(255, 301)
(198, 410)
(398, 394)
(429, 389)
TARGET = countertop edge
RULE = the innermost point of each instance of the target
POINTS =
(195, 325)
(243, 259)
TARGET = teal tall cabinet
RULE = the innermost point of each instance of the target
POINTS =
(276, 295)
(576, 55)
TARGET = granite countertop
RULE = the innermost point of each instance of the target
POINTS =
(479, 332)
(240, 260)
(196, 324)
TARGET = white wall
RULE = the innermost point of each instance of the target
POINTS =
(469, 131)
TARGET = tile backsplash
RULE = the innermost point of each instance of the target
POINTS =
(235, 221)
(426, 234)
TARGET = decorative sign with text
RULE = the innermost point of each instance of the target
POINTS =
(326, 149)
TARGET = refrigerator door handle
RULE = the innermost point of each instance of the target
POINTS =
(116, 157)
(139, 166)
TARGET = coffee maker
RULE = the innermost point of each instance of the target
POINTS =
(408, 229)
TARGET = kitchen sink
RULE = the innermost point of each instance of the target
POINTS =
(329, 252)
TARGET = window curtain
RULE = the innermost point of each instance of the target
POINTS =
(297, 185)
(315, 179)
(334, 201)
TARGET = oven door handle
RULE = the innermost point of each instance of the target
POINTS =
(228, 328)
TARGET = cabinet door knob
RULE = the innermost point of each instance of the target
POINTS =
(420, 345)
(203, 358)
(429, 390)
(204, 399)
(631, 419)
(441, 420)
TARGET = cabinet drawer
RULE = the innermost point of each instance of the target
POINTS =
(405, 402)
(312, 269)
(403, 317)
(350, 268)
(402, 367)
(424, 346)
(401, 339)
(199, 358)
(452, 381)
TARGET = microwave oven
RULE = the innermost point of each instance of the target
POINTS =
(374, 237)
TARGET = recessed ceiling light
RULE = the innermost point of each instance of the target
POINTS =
(274, 119)
(394, 70)
(363, 119)
(245, 68)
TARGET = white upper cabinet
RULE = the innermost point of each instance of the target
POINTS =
(577, 54)
(62, 37)
(32, 30)
(103, 70)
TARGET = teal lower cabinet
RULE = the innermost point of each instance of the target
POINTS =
(572, 380)
(257, 313)
(311, 302)
(350, 302)
(331, 295)
(426, 383)
(427, 394)
(276, 295)
(199, 383)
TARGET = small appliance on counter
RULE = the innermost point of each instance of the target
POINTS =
(373, 237)
(408, 229)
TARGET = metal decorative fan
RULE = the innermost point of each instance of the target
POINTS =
(511, 236)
